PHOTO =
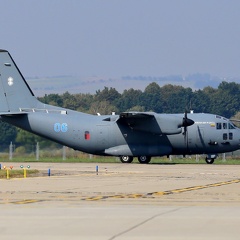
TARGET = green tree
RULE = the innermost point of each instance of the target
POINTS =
(8, 134)
(129, 99)
(84, 102)
(176, 99)
(102, 107)
(29, 141)
(107, 94)
(52, 99)
(69, 101)
(151, 99)
(226, 100)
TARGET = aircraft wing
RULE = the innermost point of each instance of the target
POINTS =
(135, 115)
(140, 121)
(154, 123)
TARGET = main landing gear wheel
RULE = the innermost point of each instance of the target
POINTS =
(209, 160)
(144, 159)
(126, 159)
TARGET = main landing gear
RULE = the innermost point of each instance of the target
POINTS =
(126, 159)
(141, 159)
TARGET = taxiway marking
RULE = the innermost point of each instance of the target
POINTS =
(131, 195)
(161, 193)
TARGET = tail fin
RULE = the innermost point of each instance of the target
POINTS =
(14, 90)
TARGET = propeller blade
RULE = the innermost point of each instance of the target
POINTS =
(186, 123)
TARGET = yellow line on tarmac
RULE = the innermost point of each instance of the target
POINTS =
(161, 193)
(195, 188)
(26, 201)
(137, 195)
(95, 198)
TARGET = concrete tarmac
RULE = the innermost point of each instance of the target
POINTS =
(122, 201)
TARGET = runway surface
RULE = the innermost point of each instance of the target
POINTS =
(122, 201)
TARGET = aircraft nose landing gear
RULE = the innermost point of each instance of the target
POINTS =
(210, 158)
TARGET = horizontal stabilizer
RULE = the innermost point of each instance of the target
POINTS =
(9, 114)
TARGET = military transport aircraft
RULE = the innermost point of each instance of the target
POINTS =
(130, 134)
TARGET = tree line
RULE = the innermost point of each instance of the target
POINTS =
(224, 101)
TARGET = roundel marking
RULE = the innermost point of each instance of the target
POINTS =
(10, 81)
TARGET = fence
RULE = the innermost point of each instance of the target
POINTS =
(37, 152)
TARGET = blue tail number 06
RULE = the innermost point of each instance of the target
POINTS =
(60, 127)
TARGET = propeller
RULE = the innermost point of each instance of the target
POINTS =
(186, 123)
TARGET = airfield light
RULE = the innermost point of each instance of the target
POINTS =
(25, 170)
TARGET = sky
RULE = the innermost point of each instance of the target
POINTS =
(117, 38)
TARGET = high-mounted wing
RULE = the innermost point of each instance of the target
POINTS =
(140, 121)
(151, 122)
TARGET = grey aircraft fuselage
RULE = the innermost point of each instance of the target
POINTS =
(128, 135)
(104, 135)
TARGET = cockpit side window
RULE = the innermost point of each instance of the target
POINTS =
(224, 125)
(225, 136)
(218, 126)
(230, 126)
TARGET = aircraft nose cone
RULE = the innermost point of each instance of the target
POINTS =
(187, 122)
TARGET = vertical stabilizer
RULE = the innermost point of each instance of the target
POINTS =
(14, 90)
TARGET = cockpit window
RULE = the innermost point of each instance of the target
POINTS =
(218, 125)
(230, 126)
(225, 136)
(224, 125)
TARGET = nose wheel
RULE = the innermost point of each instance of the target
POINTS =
(210, 158)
